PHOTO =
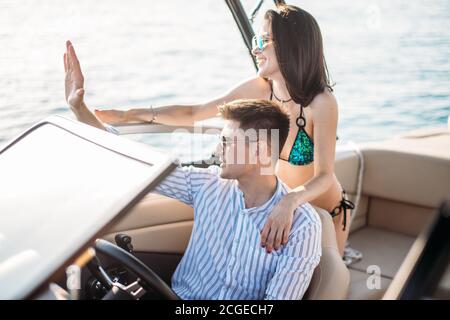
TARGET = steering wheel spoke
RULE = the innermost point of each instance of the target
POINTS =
(134, 289)
(146, 278)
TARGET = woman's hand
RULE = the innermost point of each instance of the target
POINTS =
(74, 80)
(278, 225)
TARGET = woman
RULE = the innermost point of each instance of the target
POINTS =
(292, 71)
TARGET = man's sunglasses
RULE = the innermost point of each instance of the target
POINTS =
(227, 141)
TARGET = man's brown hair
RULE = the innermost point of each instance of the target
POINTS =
(258, 114)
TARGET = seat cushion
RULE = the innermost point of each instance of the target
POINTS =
(330, 280)
(359, 290)
(385, 249)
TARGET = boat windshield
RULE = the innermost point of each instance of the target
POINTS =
(74, 188)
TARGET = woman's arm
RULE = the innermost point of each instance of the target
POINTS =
(325, 126)
(184, 114)
(325, 118)
(170, 115)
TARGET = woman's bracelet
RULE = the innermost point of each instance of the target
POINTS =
(153, 114)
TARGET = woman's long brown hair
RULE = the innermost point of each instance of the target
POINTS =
(299, 49)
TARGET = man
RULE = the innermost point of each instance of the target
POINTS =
(224, 258)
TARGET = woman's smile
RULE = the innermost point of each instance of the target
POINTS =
(260, 60)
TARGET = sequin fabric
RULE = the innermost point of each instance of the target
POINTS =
(302, 151)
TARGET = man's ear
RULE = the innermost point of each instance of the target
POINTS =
(263, 152)
(259, 148)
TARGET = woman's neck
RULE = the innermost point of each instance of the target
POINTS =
(279, 89)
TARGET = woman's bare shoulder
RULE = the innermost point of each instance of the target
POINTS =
(324, 103)
(253, 88)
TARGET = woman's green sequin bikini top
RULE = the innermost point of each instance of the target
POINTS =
(302, 151)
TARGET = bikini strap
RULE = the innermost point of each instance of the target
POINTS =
(301, 121)
(344, 205)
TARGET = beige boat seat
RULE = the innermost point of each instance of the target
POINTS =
(331, 277)
(382, 249)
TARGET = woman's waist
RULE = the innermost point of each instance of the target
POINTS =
(298, 176)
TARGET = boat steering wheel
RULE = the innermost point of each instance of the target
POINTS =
(147, 278)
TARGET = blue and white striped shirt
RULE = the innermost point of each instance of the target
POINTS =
(224, 259)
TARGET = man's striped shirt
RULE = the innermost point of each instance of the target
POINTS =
(224, 259)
